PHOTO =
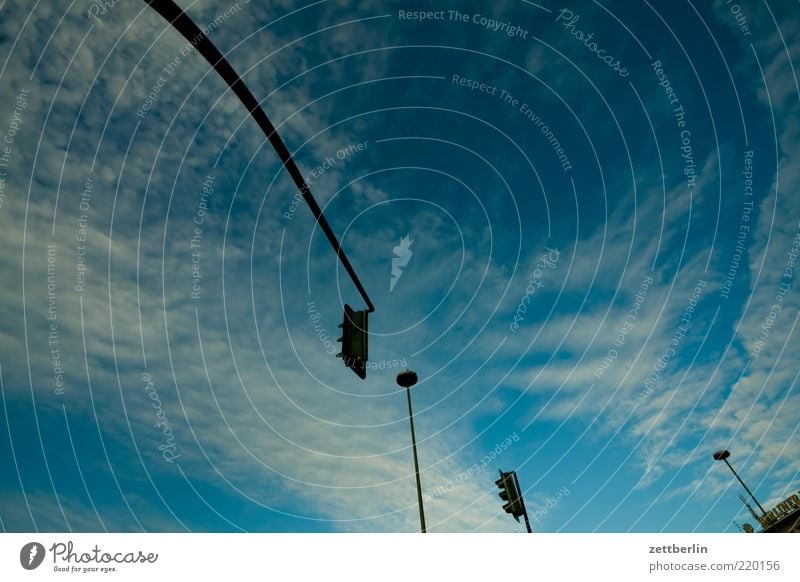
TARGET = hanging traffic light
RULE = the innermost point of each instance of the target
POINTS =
(509, 493)
(354, 341)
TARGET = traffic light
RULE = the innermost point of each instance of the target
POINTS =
(354, 341)
(509, 493)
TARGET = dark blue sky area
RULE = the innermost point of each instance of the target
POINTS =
(578, 224)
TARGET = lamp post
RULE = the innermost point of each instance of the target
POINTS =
(407, 379)
(723, 456)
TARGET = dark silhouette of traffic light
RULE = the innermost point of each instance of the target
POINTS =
(509, 493)
(354, 341)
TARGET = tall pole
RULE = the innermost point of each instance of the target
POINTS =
(745, 487)
(723, 456)
(416, 463)
(407, 379)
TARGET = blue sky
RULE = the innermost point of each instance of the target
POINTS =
(599, 294)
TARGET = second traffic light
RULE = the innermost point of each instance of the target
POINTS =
(509, 493)
(354, 341)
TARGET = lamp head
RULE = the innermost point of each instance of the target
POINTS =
(721, 455)
(407, 378)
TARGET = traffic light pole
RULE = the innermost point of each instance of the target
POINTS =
(522, 502)
(183, 24)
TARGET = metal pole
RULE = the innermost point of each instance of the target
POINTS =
(522, 502)
(183, 24)
(416, 462)
(745, 486)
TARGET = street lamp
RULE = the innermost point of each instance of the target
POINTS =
(723, 456)
(407, 379)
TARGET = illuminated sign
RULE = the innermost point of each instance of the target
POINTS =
(780, 511)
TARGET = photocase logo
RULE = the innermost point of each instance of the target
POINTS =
(402, 257)
(31, 555)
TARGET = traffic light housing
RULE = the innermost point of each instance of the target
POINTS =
(354, 341)
(509, 493)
